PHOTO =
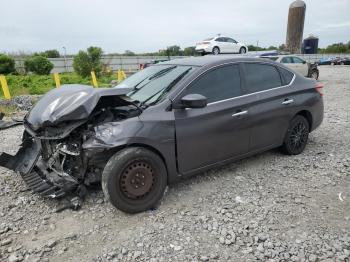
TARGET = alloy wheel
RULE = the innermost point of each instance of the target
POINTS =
(298, 136)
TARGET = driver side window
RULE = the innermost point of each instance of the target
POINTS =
(230, 40)
(218, 84)
(297, 60)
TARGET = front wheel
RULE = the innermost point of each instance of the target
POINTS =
(314, 74)
(134, 179)
(297, 136)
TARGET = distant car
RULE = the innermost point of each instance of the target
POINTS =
(325, 61)
(155, 61)
(345, 61)
(221, 45)
(334, 61)
(297, 64)
(340, 61)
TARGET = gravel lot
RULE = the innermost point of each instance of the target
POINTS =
(267, 207)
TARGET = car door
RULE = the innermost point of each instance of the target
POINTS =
(300, 65)
(218, 131)
(232, 45)
(221, 43)
(269, 105)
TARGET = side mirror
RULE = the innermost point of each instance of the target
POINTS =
(304, 62)
(192, 101)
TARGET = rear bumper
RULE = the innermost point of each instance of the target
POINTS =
(317, 114)
(203, 49)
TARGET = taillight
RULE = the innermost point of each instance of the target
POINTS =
(319, 87)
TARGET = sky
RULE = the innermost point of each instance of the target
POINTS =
(148, 26)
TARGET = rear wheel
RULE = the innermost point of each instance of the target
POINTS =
(216, 50)
(134, 179)
(242, 50)
(297, 136)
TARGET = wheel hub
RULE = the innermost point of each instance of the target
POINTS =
(137, 180)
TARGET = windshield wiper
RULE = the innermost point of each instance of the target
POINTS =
(166, 89)
(156, 75)
(162, 72)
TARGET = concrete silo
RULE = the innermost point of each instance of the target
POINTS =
(295, 26)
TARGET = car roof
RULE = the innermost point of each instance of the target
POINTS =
(279, 56)
(210, 59)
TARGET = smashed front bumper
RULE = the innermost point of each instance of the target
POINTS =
(25, 163)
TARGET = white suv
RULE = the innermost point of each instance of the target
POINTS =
(220, 45)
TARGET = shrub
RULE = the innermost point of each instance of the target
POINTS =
(49, 54)
(52, 53)
(7, 64)
(39, 65)
(85, 62)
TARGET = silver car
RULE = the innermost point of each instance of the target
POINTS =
(297, 64)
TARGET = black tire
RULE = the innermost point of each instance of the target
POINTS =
(123, 186)
(203, 54)
(216, 50)
(297, 136)
(314, 74)
(242, 50)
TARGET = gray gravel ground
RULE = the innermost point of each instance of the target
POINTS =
(269, 207)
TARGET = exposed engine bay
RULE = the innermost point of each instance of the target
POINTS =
(66, 162)
(59, 153)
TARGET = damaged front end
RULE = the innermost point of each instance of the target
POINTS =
(62, 151)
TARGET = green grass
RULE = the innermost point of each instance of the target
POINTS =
(40, 84)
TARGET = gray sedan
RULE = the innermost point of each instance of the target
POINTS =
(166, 122)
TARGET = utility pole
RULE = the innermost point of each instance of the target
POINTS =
(65, 58)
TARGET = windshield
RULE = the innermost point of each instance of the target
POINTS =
(151, 84)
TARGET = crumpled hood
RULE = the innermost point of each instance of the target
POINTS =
(68, 102)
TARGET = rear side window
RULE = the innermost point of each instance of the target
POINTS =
(260, 77)
(220, 39)
(218, 84)
(287, 60)
(287, 76)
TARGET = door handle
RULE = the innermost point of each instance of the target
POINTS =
(240, 113)
(287, 102)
